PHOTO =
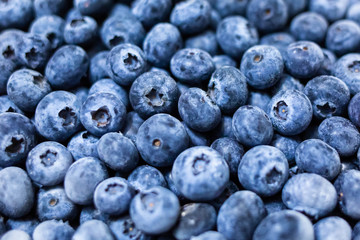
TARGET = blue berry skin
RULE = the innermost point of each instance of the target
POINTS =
(259, 99)
(356, 232)
(287, 145)
(192, 66)
(80, 31)
(228, 89)
(353, 12)
(331, 10)
(132, 124)
(117, 30)
(224, 129)
(57, 116)
(196, 138)
(82, 178)
(263, 66)
(50, 27)
(160, 139)
(26, 88)
(263, 170)
(239, 215)
(290, 112)
(16, 234)
(295, 7)
(209, 235)
(329, 96)
(310, 194)
(303, 59)
(98, 68)
(200, 173)
(332, 228)
(347, 68)
(17, 138)
(341, 134)
(17, 194)
(161, 43)
(151, 12)
(121, 10)
(252, 126)
(90, 213)
(93, 7)
(53, 230)
(10, 41)
(231, 150)
(27, 224)
(93, 229)
(309, 26)
(15, 14)
(7, 67)
(191, 16)
(235, 35)
(328, 63)
(274, 204)
(343, 37)
(230, 7)
(223, 60)
(280, 40)
(155, 205)
(83, 144)
(153, 92)
(145, 177)
(287, 82)
(52, 7)
(6, 105)
(267, 15)
(81, 94)
(113, 196)
(282, 225)
(125, 63)
(102, 113)
(195, 218)
(118, 152)
(230, 189)
(198, 111)
(315, 156)
(354, 110)
(53, 203)
(215, 19)
(205, 41)
(47, 163)
(66, 67)
(347, 187)
(171, 185)
(34, 51)
(109, 86)
(124, 228)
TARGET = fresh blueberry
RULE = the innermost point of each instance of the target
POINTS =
(280, 40)
(235, 35)
(259, 99)
(16, 13)
(295, 7)
(311, 194)
(230, 7)
(7, 68)
(124, 228)
(200, 173)
(91, 213)
(27, 224)
(66, 67)
(6, 105)
(196, 138)
(205, 41)
(80, 31)
(10, 41)
(16, 234)
(109, 86)
(93, 7)
(331, 10)
(287, 145)
(82, 178)
(332, 228)
(353, 12)
(240, 214)
(283, 225)
(83, 144)
(347, 69)
(81, 94)
(151, 12)
(53, 230)
(171, 185)
(146, 177)
(93, 229)
(209, 235)
(287, 82)
(223, 60)
(328, 63)
(98, 68)
(309, 26)
(49, 7)
(155, 205)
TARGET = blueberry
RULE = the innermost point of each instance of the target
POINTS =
(286, 224)
(10, 41)
(17, 138)
(81, 94)
(132, 125)
(287, 82)
(198, 111)
(343, 37)
(57, 116)
(209, 235)
(205, 41)
(146, 177)
(82, 178)
(331, 10)
(151, 12)
(102, 113)
(26, 88)
(309, 26)
(290, 112)
(98, 67)
(259, 99)
(49, 7)
(228, 89)
(280, 40)
(328, 63)
(223, 60)
(303, 59)
(53, 203)
(66, 67)
(215, 19)
(6, 105)
(287, 145)
(16, 234)
(295, 7)
(200, 173)
(341, 134)
(50, 27)
(124, 228)
(353, 110)
(171, 185)
(152, 93)
(311, 194)
(195, 218)
(231, 150)
(80, 31)
(267, 15)
(16, 13)
(7, 67)
(353, 12)
(230, 7)
(332, 228)
(121, 10)
(26, 224)
(196, 138)
(113, 196)
(93, 7)
(125, 63)
(224, 129)
(262, 65)
(53, 230)
(347, 69)
(240, 214)
(274, 204)
(192, 66)
(356, 232)
(83, 144)
(191, 16)
(235, 35)
(347, 187)
(90, 213)
(155, 205)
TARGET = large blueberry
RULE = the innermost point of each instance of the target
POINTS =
(331, 10)
(205, 41)
(287, 145)
(93, 229)
(309, 26)
(124, 228)
(332, 228)
(145, 177)
(16, 234)
(80, 31)
(98, 67)
(83, 144)
(151, 12)
(347, 69)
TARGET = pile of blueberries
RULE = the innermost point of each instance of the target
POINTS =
(179, 120)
